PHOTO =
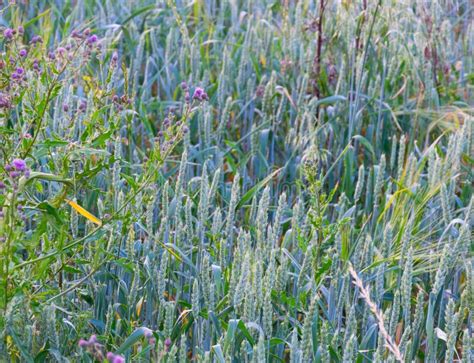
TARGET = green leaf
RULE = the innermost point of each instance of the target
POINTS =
(218, 353)
(367, 145)
(138, 12)
(255, 189)
(131, 340)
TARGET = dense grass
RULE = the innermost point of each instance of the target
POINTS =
(236, 181)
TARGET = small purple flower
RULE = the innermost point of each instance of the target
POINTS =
(23, 53)
(36, 39)
(14, 174)
(8, 33)
(19, 164)
(8, 167)
(115, 358)
(4, 101)
(21, 30)
(167, 344)
(82, 106)
(2, 185)
(61, 51)
(36, 66)
(148, 332)
(83, 343)
(200, 94)
(184, 85)
(92, 39)
(114, 56)
(65, 107)
(20, 70)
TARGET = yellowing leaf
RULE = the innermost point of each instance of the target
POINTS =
(84, 212)
(139, 306)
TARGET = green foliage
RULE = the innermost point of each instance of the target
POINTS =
(243, 181)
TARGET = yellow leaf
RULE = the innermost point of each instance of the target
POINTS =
(139, 306)
(84, 213)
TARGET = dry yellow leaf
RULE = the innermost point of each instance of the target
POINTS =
(84, 212)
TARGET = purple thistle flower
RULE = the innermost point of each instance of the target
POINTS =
(82, 106)
(83, 343)
(4, 101)
(2, 185)
(21, 30)
(36, 65)
(36, 39)
(8, 33)
(23, 53)
(19, 164)
(200, 94)
(61, 51)
(20, 70)
(148, 332)
(115, 358)
(118, 359)
(92, 39)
